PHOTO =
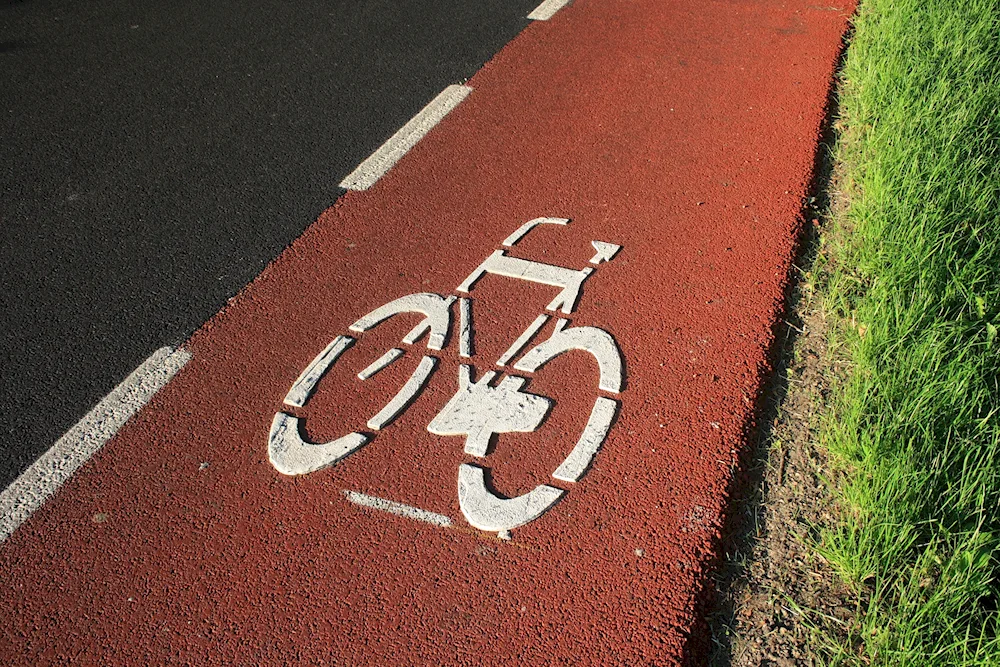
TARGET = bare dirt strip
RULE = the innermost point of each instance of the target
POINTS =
(683, 132)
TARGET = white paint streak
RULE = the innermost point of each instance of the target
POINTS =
(36, 484)
(529, 225)
(304, 385)
(380, 363)
(405, 396)
(487, 511)
(292, 455)
(597, 342)
(465, 327)
(437, 311)
(605, 252)
(522, 340)
(478, 410)
(501, 264)
(416, 332)
(399, 509)
(387, 155)
(547, 10)
(576, 464)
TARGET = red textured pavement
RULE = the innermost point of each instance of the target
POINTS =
(683, 131)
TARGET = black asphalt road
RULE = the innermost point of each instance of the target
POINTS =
(154, 157)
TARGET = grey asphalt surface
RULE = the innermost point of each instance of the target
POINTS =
(154, 157)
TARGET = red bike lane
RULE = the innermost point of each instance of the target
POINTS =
(685, 133)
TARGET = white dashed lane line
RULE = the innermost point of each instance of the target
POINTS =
(547, 10)
(389, 153)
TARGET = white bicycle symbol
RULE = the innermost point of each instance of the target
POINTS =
(478, 409)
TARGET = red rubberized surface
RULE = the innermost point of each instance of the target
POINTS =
(684, 131)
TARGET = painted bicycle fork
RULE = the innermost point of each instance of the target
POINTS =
(479, 409)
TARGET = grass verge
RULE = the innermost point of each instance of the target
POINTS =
(912, 276)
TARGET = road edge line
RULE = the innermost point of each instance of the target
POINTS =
(388, 154)
(44, 477)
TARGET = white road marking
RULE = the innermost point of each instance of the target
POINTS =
(501, 264)
(291, 455)
(605, 251)
(478, 410)
(389, 153)
(511, 240)
(399, 509)
(36, 484)
(437, 341)
(380, 363)
(435, 308)
(597, 342)
(304, 385)
(522, 340)
(405, 396)
(547, 10)
(465, 327)
(576, 464)
(486, 511)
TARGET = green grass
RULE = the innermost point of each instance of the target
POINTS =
(913, 277)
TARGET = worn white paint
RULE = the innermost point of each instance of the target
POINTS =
(380, 363)
(399, 509)
(305, 384)
(523, 339)
(529, 225)
(605, 251)
(547, 10)
(290, 454)
(418, 331)
(465, 327)
(36, 484)
(387, 155)
(487, 511)
(576, 464)
(405, 395)
(435, 308)
(478, 410)
(501, 264)
(597, 342)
